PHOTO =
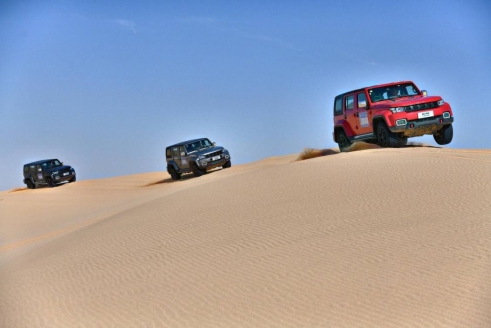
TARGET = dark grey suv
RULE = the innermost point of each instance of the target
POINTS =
(196, 156)
(47, 172)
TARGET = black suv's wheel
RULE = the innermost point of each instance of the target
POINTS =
(73, 179)
(343, 142)
(197, 171)
(444, 135)
(30, 185)
(174, 175)
(227, 165)
(386, 138)
(50, 182)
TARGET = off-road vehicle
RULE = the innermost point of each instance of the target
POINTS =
(389, 114)
(47, 172)
(195, 156)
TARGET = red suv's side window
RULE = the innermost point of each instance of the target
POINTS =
(338, 106)
(350, 102)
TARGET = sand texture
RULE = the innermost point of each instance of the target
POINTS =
(371, 238)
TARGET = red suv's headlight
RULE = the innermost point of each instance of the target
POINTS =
(397, 109)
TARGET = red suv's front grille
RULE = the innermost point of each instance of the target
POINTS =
(413, 108)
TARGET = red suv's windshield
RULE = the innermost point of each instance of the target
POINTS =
(393, 91)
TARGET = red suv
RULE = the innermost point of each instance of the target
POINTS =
(388, 114)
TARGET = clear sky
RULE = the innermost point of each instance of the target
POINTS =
(105, 85)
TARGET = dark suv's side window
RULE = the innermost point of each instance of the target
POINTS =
(175, 152)
(350, 102)
(168, 153)
(338, 106)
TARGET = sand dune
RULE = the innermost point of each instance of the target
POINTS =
(373, 238)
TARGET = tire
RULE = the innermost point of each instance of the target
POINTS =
(50, 182)
(343, 142)
(386, 138)
(174, 175)
(227, 165)
(197, 172)
(72, 179)
(444, 136)
(401, 142)
(30, 185)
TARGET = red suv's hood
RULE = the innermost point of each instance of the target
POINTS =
(407, 101)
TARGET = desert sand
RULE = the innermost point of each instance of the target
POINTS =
(371, 238)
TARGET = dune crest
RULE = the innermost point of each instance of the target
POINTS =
(387, 238)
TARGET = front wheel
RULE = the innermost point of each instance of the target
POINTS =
(444, 135)
(227, 165)
(343, 141)
(197, 172)
(72, 179)
(386, 138)
(50, 182)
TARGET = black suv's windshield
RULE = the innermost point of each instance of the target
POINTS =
(197, 145)
(393, 92)
(50, 164)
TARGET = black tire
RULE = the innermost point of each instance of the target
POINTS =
(197, 172)
(174, 175)
(444, 136)
(50, 182)
(401, 142)
(72, 179)
(343, 142)
(386, 138)
(227, 165)
(30, 185)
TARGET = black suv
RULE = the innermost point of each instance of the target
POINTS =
(196, 156)
(47, 172)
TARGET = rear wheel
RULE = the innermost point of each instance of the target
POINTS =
(386, 138)
(444, 135)
(30, 185)
(174, 175)
(343, 141)
(50, 182)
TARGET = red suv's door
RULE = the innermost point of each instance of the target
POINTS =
(364, 124)
(350, 113)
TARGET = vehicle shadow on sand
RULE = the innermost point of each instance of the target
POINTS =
(184, 177)
(309, 153)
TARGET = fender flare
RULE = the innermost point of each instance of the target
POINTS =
(346, 128)
(173, 165)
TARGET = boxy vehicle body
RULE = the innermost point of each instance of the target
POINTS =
(388, 114)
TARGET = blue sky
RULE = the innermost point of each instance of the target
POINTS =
(106, 85)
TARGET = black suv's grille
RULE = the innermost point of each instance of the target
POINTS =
(216, 153)
(413, 108)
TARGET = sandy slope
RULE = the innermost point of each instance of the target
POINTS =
(375, 238)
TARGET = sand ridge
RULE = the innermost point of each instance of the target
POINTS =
(372, 238)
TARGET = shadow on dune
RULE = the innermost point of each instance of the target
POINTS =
(309, 153)
(184, 177)
(419, 144)
(18, 189)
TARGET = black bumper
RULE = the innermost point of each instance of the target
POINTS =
(213, 164)
(421, 127)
